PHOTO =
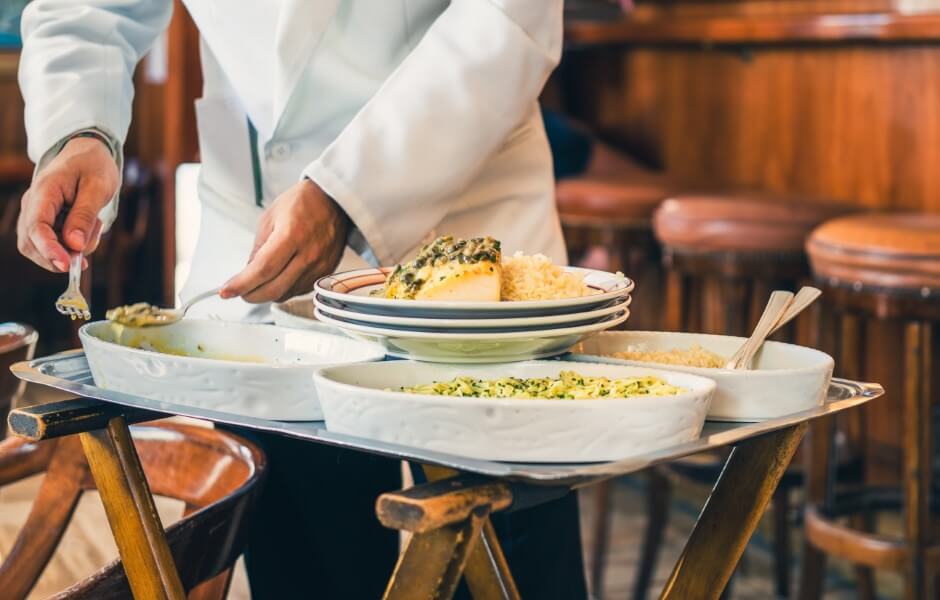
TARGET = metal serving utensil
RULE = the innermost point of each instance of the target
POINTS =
(72, 302)
(147, 315)
(744, 357)
(778, 303)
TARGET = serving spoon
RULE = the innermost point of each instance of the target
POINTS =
(143, 314)
(782, 308)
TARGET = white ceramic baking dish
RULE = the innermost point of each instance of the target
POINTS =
(786, 378)
(361, 400)
(248, 369)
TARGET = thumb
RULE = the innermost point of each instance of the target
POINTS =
(82, 220)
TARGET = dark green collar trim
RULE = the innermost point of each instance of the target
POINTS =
(255, 162)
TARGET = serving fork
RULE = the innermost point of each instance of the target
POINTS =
(72, 302)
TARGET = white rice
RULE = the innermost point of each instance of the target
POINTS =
(536, 278)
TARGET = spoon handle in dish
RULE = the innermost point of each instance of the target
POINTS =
(200, 297)
(806, 296)
(778, 303)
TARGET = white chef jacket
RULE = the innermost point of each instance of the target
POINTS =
(418, 117)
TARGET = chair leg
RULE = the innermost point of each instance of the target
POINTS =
(601, 534)
(674, 304)
(781, 525)
(817, 453)
(130, 509)
(864, 576)
(917, 455)
(658, 497)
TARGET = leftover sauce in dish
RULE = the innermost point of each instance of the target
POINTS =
(569, 385)
(141, 341)
(141, 314)
(474, 270)
(696, 356)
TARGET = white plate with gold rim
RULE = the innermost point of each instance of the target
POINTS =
(364, 401)
(352, 288)
(334, 309)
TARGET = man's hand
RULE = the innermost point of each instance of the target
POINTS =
(300, 239)
(82, 179)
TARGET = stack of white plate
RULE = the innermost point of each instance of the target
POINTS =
(462, 332)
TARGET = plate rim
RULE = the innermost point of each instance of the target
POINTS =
(424, 335)
(319, 287)
(470, 323)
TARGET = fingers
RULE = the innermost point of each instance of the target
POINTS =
(94, 238)
(280, 287)
(36, 239)
(267, 264)
(79, 230)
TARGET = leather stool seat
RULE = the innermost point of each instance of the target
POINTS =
(739, 222)
(612, 200)
(879, 251)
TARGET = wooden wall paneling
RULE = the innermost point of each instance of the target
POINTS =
(849, 122)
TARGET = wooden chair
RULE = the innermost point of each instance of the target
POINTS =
(17, 343)
(886, 268)
(216, 474)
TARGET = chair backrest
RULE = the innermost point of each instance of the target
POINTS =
(17, 343)
(216, 474)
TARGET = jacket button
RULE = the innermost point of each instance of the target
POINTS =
(280, 151)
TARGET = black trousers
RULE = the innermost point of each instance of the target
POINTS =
(315, 534)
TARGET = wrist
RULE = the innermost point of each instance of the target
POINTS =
(85, 138)
(342, 220)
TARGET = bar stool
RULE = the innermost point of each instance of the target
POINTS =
(724, 253)
(606, 221)
(881, 267)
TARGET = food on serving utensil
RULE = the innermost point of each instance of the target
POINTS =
(536, 278)
(696, 356)
(569, 385)
(474, 270)
(141, 314)
(449, 269)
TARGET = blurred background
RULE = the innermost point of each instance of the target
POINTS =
(812, 107)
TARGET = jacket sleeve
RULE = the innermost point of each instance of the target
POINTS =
(76, 69)
(470, 81)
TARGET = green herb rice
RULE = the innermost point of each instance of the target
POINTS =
(567, 386)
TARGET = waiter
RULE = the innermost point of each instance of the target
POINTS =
(332, 134)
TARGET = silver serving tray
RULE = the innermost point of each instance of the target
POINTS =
(69, 372)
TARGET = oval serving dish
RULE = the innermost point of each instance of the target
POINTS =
(362, 401)
(786, 378)
(248, 369)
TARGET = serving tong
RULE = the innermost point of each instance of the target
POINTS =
(782, 308)
(72, 303)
